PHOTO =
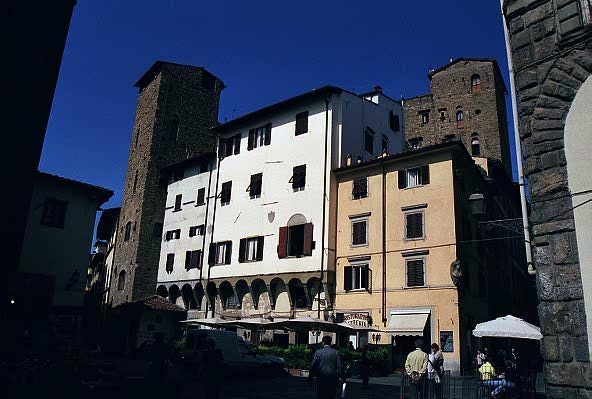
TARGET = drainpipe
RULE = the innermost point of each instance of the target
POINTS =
(203, 245)
(324, 211)
(212, 232)
(527, 245)
(384, 318)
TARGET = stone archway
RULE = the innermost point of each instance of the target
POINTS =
(298, 296)
(175, 296)
(162, 291)
(200, 296)
(258, 287)
(188, 297)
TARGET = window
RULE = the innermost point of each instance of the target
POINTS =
(157, 230)
(128, 231)
(475, 147)
(229, 146)
(251, 249)
(360, 188)
(415, 272)
(295, 240)
(394, 122)
(225, 193)
(173, 235)
(359, 231)
(414, 177)
(254, 188)
(447, 341)
(369, 140)
(259, 137)
(54, 213)
(459, 119)
(201, 196)
(135, 182)
(385, 142)
(121, 281)
(298, 179)
(173, 128)
(197, 230)
(301, 123)
(222, 252)
(424, 117)
(356, 277)
(192, 260)
(415, 143)
(442, 116)
(476, 83)
(170, 262)
(178, 200)
(414, 225)
(237, 142)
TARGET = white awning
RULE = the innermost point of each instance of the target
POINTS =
(407, 323)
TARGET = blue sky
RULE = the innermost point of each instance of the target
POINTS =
(263, 51)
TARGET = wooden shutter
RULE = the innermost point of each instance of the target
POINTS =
(364, 277)
(414, 223)
(425, 174)
(178, 200)
(259, 255)
(187, 260)
(242, 250)
(282, 248)
(394, 122)
(364, 187)
(369, 274)
(415, 273)
(221, 148)
(402, 179)
(212, 254)
(347, 278)
(251, 140)
(307, 250)
(356, 189)
(237, 142)
(228, 252)
(201, 196)
(301, 123)
(267, 138)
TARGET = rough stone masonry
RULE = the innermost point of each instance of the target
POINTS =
(552, 55)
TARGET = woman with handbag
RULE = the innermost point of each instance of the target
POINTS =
(435, 369)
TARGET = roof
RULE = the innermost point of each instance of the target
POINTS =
(290, 102)
(456, 145)
(205, 156)
(157, 66)
(492, 60)
(154, 302)
(106, 222)
(102, 194)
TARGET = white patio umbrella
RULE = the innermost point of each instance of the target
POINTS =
(307, 323)
(356, 328)
(254, 323)
(215, 322)
(508, 327)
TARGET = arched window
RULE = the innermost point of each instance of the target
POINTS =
(476, 83)
(459, 119)
(475, 147)
(173, 128)
(121, 281)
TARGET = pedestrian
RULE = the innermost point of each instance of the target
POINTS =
(435, 369)
(364, 367)
(350, 346)
(479, 358)
(328, 369)
(213, 368)
(416, 367)
(487, 371)
(514, 358)
(501, 357)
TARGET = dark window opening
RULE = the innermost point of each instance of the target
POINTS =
(170, 262)
(425, 117)
(298, 177)
(360, 188)
(259, 137)
(369, 140)
(299, 297)
(301, 123)
(54, 213)
(135, 182)
(221, 252)
(251, 249)
(395, 124)
(201, 196)
(414, 227)
(415, 273)
(475, 145)
(459, 119)
(225, 193)
(178, 200)
(121, 281)
(476, 83)
(359, 232)
(192, 260)
(197, 230)
(415, 143)
(157, 230)
(128, 231)
(414, 177)
(356, 278)
(173, 129)
(173, 235)
(296, 240)
(254, 188)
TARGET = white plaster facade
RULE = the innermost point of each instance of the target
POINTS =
(337, 122)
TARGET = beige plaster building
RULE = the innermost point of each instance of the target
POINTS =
(402, 223)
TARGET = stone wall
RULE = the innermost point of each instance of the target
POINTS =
(168, 92)
(484, 112)
(551, 60)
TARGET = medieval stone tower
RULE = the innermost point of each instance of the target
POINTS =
(466, 102)
(177, 106)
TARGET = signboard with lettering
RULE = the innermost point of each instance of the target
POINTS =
(356, 319)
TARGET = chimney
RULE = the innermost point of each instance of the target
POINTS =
(348, 160)
(451, 59)
(378, 89)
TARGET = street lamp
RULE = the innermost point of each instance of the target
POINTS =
(477, 202)
(376, 338)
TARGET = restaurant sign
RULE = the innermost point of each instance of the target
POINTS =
(356, 319)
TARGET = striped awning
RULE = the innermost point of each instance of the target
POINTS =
(409, 324)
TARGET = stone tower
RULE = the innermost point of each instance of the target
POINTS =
(466, 102)
(177, 106)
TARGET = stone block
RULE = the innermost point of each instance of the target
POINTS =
(552, 102)
(569, 374)
(584, 59)
(545, 281)
(565, 79)
(581, 350)
(548, 181)
(520, 40)
(568, 283)
(544, 48)
(547, 211)
(566, 348)
(585, 393)
(550, 349)
(539, 137)
(516, 25)
(522, 57)
(547, 319)
(555, 392)
(542, 29)
(538, 13)
(526, 79)
(564, 248)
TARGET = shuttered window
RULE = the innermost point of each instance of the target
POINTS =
(414, 177)
(298, 177)
(414, 227)
(360, 188)
(128, 231)
(170, 262)
(201, 196)
(197, 230)
(225, 193)
(251, 249)
(259, 137)
(220, 253)
(357, 277)
(415, 273)
(359, 235)
(296, 240)
(237, 142)
(192, 260)
(178, 200)
(254, 188)
(301, 123)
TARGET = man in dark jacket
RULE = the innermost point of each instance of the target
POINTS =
(327, 368)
